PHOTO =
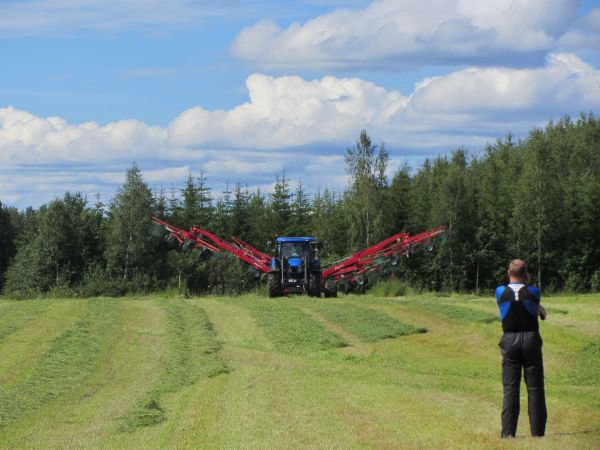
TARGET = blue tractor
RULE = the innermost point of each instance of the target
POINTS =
(295, 268)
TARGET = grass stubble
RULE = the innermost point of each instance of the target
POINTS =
(290, 329)
(368, 325)
(289, 382)
(16, 314)
(21, 350)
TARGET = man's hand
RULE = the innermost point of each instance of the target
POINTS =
(542, 312)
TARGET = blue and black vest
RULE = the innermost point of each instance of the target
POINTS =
(520, 314)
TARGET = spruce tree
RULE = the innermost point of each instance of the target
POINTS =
(130, 248)
(279, 206)
(300, 212)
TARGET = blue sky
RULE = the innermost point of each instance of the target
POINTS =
(245, 89)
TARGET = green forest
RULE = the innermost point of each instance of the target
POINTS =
(537, 198)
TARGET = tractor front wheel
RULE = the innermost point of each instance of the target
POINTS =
(274, 285)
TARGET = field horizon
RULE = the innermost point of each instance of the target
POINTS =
(161, 371)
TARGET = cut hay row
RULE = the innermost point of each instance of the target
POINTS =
(65, 365)
(192, 353)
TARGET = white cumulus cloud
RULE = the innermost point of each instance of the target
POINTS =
(405, 33)
(27, 138)
(585, 34)
(289, 111)
(565, 83)
(297, 124)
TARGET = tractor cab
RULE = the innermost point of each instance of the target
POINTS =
(296, 267)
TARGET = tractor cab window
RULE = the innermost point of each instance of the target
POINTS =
(294, 250)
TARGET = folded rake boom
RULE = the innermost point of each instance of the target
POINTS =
(198, 238)
(350, 273)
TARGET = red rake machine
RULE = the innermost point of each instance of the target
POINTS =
(295, 266)
(353, 273)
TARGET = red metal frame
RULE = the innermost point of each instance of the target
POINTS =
(373, 259)
(199, 238)
(352, 269)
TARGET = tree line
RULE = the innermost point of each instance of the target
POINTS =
(537, 198)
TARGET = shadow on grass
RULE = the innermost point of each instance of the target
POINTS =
(561, 433)
(574, 433)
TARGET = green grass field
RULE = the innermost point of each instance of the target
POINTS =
(248, 372)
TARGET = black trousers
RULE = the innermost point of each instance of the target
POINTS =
(522, 352)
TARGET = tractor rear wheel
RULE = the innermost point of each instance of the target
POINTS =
(274, 285)
(314, 285)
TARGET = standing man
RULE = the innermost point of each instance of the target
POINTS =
(521, 347)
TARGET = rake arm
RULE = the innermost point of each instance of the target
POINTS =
(197, 237)
(355, 269)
